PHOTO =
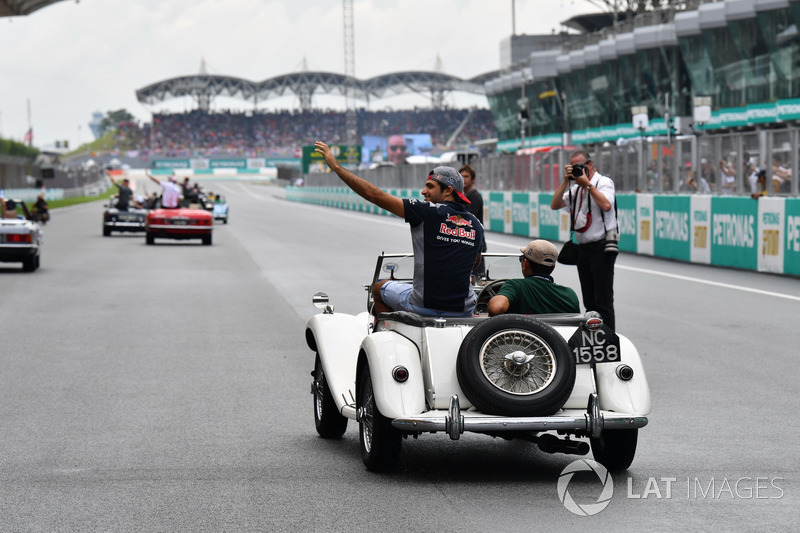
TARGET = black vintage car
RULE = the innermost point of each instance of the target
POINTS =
(130, 220)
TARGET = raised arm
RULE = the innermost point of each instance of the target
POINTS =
(370, 192)
(111, 177)
(151, 177)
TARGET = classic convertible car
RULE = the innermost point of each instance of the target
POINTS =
(181, 223)
(555, 380)
(20, 237)
(220, 209)
(123, 221)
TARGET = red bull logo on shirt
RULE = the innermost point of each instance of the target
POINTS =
(457, 232)
(458, 220)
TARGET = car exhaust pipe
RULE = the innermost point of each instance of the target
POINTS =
(552, 444)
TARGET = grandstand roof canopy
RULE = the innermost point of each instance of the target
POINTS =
(15, 8)
(204, 87)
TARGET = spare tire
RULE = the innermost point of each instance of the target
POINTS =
(515, 365)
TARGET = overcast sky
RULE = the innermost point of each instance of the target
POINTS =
(72, 59)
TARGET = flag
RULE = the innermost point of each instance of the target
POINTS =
(28, 139)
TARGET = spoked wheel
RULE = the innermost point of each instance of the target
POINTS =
(615, 449)
(380, 442)
(329, 422)
(515, 365)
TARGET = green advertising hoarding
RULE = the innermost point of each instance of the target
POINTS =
(626, 218)
(342, 152)
(550, 219)
(733, 232)
(496, 212)
(791, 252)
(671, 227)
(520, 213)
(170, 163)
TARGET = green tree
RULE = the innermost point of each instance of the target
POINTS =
(112, 118)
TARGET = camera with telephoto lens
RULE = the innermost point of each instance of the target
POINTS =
(612, 238)
(577, 170)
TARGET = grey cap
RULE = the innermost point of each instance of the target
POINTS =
(449, 177)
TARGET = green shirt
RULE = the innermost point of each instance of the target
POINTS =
(536, 295)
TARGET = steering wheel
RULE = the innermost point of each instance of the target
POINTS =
(488, 291)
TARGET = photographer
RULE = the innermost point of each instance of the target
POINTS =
(591, 200)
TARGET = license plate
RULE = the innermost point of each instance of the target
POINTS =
(128, 218)
(594, 346)
(180, 222)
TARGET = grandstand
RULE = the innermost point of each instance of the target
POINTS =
(710, 81)
(304, 85)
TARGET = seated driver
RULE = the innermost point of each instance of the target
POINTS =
(536, 293)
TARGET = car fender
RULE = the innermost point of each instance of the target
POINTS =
(383, 351)
(336, 337)
(615, 394)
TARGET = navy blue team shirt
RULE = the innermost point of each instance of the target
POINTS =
(446, 239)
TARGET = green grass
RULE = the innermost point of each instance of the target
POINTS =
(53, 204)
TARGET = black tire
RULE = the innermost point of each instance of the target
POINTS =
(329, 422)
(149, 239)
(537, 385)
(106, 232)
(380, 442)
(615, 449)
(207, 240)
(29, 263)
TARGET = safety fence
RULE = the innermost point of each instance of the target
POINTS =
(739, 232)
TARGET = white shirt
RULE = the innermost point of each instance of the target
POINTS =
(596, 231)
(171, 195)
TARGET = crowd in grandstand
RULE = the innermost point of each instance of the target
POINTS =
(276, 133)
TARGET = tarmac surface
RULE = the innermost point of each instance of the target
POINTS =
(166, 388)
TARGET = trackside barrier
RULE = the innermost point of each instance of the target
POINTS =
(738, 232)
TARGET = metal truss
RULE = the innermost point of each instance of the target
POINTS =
(16, 8)
(305, 85)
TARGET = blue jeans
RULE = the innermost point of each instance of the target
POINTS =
(395, 294)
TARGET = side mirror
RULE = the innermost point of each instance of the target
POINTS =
(320, 301)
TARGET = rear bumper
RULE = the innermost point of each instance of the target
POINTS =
(12, 253)
(179, 232)
(455, 422)
(125, 226)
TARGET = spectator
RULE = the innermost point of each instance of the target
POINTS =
(751, 171)
(536, 292)
(781, 176)
(727, 176)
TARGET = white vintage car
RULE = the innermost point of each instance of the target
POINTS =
(20, 237)
(555, 380)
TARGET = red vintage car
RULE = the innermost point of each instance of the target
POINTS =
(179, 224)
